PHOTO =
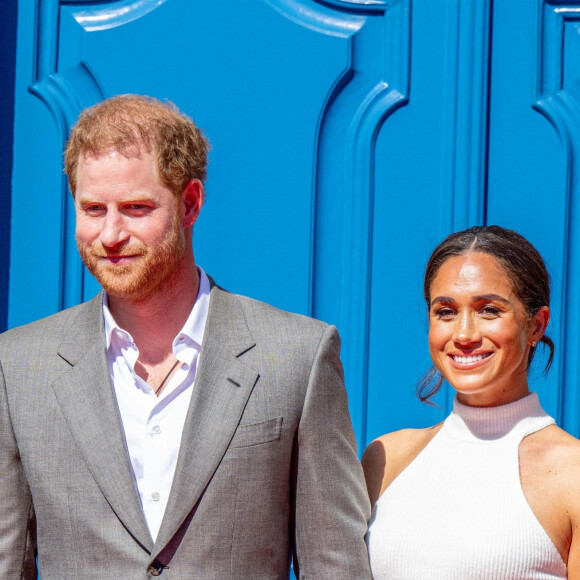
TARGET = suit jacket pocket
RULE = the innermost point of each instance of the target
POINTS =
(257, 433)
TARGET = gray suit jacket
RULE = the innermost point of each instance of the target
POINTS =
(267, 467)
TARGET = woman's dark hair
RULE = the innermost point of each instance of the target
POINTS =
(523, 266)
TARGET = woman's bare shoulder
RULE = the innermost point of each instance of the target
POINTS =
(553, 446)
(550, 463)
(550, 478)
(387, 456)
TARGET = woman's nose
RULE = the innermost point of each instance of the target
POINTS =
(466, 329)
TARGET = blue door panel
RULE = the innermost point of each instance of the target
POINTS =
(286, 91)
(8, 12)
(557, 97)
(37, 214)
(429, 181)
(376, 92)
(531, 168)
(527, 169)
(265, 199)
(348, 138)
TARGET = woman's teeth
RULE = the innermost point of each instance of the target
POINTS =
(470, 359)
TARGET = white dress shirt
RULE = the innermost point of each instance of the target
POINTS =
(153, 425)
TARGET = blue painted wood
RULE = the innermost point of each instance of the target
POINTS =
(348, 138)
(46, 272)
(430, 181)
(558, 98)
(334, 67)
(468, 35)
(7, 66)
(375, 87)
(531, 168)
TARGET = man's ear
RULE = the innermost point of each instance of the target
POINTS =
(191, 202)
(540, 322)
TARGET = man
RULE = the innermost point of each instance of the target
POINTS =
(167, 427)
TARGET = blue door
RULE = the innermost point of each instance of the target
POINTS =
(348, 138)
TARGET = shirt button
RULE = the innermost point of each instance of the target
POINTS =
(155, 496)
(157, 429)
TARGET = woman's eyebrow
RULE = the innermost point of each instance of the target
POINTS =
(446, 299)
(491, 297)
(478, 298)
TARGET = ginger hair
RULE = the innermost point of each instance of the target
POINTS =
(129, 124)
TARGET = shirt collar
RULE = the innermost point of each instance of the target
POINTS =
(191, 332)
(194, 326)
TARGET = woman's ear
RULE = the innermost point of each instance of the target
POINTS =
(540, 324)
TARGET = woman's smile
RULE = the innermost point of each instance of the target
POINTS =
(479, 331)
(469, 361)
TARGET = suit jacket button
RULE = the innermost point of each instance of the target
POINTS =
(155, 569)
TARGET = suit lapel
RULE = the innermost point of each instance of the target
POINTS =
(222, 387)
(88, 403)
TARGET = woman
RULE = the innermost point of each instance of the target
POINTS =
(494, 491)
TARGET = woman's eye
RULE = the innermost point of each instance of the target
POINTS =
(444, 313)
(490, 311)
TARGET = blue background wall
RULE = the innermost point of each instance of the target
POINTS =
(7, 68)
(348, 139)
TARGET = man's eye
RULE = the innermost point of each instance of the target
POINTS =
(137, 208)
(93, 208)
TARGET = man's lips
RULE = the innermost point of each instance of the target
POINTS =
(117, 258)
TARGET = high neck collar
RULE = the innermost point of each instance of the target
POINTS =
(519, 418)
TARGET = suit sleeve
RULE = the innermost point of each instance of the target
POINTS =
(331, 503)
(17, 526)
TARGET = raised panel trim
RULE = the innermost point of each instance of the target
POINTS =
(561, 106)
(119, 13)
(466, 114)
(375, 85)
(360, 5)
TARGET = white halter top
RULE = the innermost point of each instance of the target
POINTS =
(458, 512)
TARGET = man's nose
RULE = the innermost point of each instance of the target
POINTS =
(113, 231)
